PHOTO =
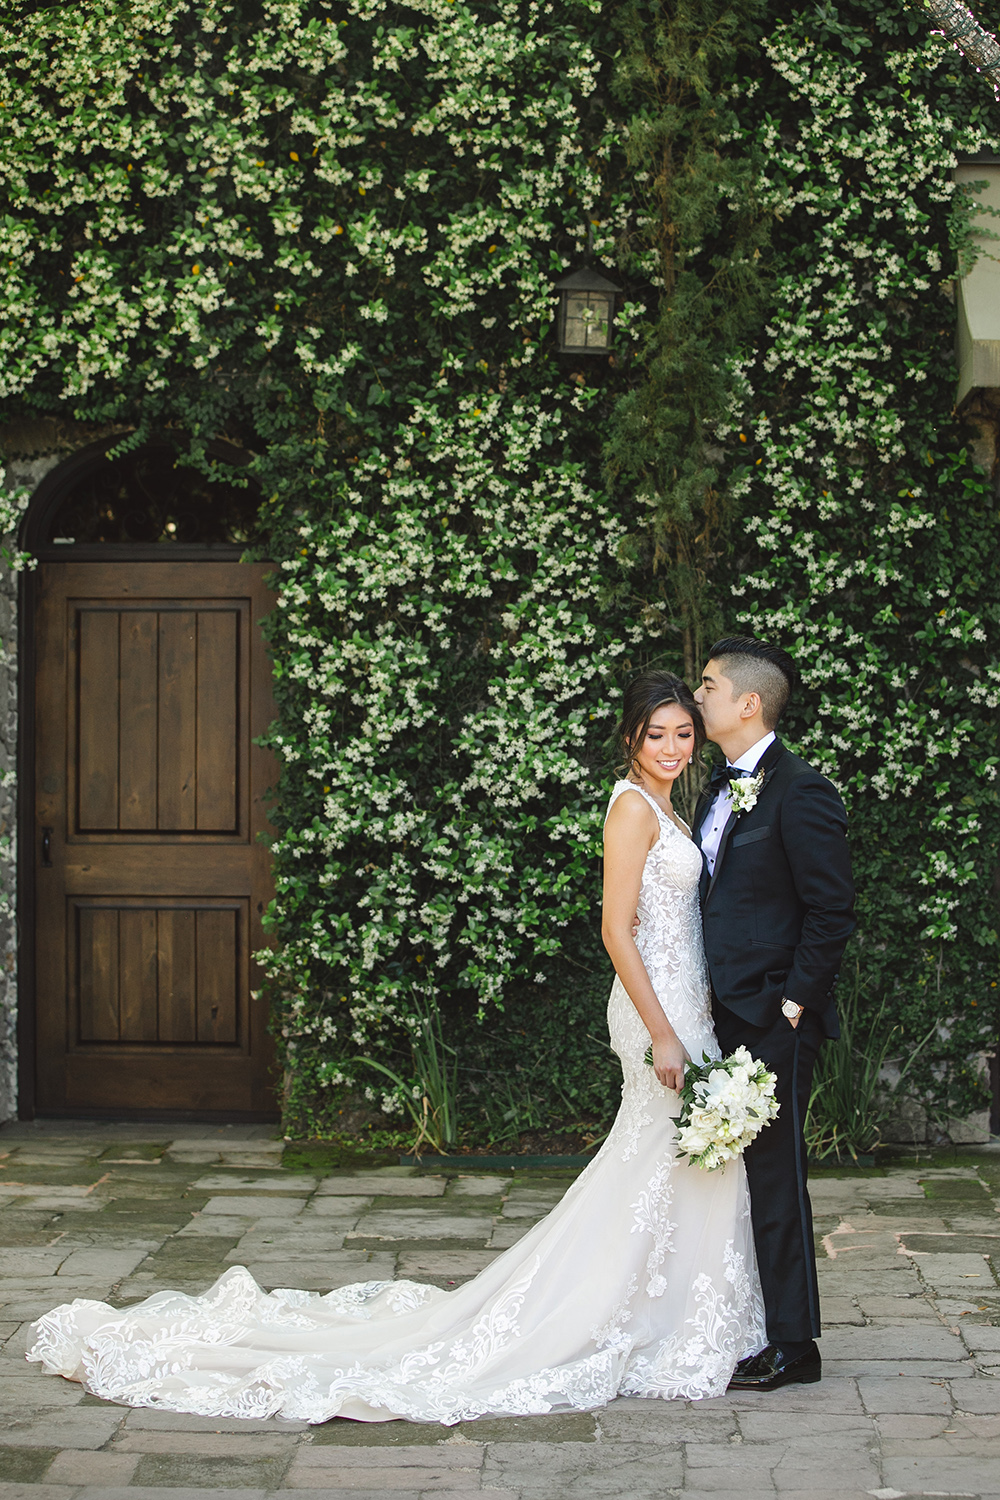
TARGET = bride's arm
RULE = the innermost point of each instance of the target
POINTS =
(629, 834)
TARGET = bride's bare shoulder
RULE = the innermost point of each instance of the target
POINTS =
(628, 815)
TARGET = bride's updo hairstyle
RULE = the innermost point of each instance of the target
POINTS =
(642, 698)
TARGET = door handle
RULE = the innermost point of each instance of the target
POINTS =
(47, 848)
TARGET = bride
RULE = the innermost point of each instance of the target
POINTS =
(641, 1282)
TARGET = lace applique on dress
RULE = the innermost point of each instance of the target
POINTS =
(355, 1299)
(652, 1216)
(495, 1329)
(611, 1335)
(698, 1361)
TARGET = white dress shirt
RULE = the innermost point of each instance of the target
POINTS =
(717, 816)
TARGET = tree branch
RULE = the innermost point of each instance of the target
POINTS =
(962, 29)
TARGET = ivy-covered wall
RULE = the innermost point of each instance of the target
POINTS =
(866, 539)
(328, 232)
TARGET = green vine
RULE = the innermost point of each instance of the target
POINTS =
(328, 231)
(703, 230)
(863, 540)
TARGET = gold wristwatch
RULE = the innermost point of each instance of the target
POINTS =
(790, 1010)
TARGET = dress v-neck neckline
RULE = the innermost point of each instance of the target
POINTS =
(685, 832)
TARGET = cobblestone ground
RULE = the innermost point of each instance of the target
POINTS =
(909, 1404)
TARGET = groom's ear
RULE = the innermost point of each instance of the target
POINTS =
(751, 706)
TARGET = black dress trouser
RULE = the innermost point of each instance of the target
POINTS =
(776, 1172)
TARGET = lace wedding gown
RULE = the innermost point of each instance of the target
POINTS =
(641, 1282)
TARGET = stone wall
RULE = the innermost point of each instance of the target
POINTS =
(981, 414)
(27, 452)
(8, 843)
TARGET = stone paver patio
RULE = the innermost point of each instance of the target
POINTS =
(909, 1404)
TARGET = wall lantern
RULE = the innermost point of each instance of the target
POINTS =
(586, 312)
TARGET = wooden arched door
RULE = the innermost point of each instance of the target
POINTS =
(150, 878)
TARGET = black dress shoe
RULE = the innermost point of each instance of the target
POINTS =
(769, 1369)
(747, 1366)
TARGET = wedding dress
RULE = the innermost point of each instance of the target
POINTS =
(642, 1281)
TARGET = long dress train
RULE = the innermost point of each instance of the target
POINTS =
(642, 1281)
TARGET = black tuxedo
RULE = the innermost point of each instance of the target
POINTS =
(777, 912)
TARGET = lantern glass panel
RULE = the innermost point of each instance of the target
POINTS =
(587, 320)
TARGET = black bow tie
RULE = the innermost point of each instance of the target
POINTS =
(722, 776)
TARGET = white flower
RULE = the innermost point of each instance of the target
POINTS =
(692, 1142)
(744, 791)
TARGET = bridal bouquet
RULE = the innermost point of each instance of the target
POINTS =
(724, 1106)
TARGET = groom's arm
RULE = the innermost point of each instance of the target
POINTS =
(814, 835)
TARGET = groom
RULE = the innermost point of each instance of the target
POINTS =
(777, 906)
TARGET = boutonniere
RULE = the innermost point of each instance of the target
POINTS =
(744, 791)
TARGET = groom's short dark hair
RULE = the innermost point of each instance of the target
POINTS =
(755, 666)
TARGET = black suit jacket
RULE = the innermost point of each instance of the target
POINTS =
(779, 907)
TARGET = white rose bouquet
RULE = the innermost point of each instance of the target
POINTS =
(725, 1105)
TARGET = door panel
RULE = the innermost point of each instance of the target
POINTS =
(157, 715)
(178, 684)
(163, 973)
(97, 948)
(216, 720)
(137, 718)
(97, 693)
(138, 975)
(152, 683)
(218, 969)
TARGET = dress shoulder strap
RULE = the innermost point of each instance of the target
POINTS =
(630, 786)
